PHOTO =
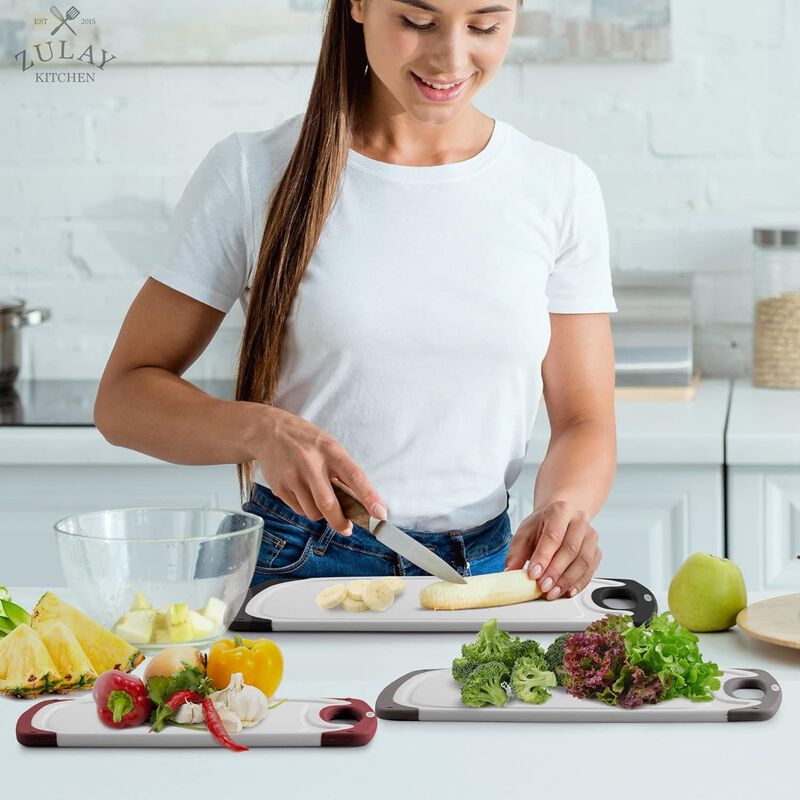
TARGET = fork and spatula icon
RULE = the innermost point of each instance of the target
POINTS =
(72, 12)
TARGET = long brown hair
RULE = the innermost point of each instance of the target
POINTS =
(299, 206)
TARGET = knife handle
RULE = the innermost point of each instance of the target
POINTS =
(351, 507)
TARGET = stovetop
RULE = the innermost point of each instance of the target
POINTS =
(69, 403)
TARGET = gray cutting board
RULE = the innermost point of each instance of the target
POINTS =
(290, 606)
(433, 695)
(304, 722)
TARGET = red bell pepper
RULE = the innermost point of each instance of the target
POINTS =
(121, 699)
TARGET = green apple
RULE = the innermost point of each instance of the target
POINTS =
(706, 593)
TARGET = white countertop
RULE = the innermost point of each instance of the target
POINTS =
(669, 761)
(656, 432)
(763, 426)
(648, 432)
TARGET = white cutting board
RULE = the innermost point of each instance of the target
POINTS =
(433, 695)
(291, 606)
(304, 722)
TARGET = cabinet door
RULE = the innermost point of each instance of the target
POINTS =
(34, 498)
(764, 525)
(653, 519)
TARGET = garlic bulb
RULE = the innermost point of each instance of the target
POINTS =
(189, 714)
(229, 719)
(248, 703)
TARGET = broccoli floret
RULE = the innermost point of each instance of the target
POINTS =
(554, 657)
(462, 668)
(528, 647)
(530, 680)
(485, 685)
(491, 644)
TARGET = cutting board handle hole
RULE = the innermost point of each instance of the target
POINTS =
(340, 714)
(748, 694)
(621, 603)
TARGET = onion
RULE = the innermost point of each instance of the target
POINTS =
(171, 661)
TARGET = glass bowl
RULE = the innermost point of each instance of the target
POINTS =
(160, 576)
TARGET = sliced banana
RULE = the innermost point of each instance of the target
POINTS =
(396, 583)
(378, 596)
(355, 589)
(351, 604)
(332, 596)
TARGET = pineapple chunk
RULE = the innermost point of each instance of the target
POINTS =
(104, 649)
(26, 667)
(202, 626)
(161, 636)
(69, 658)
(137, 626)
(177, 614)
(215, 610)
(140, 602)
(181, 632)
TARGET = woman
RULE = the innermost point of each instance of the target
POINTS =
(414, 275)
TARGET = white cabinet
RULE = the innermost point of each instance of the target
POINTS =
(667, 498)
(763, 464)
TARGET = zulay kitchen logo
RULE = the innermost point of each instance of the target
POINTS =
(63, 52)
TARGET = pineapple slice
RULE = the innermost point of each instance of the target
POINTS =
(104, 649)
(26, 668)
(69, 658)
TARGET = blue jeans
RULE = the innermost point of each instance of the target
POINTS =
(294, 546)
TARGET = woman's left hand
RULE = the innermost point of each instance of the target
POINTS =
(561, 547)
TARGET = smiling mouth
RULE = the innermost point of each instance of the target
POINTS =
(436, 92)
(440, 86)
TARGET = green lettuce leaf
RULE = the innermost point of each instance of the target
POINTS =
(665, 648)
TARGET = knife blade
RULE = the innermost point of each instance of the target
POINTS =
(414, 551)
(392, 537)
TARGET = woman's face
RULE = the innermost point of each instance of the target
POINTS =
(411, 42)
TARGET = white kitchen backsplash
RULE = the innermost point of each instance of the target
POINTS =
(690, 153)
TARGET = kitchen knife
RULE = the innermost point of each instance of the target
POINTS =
(393, 537)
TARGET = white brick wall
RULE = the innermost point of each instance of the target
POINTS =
(690, 154)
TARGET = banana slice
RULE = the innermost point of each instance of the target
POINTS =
(350, 604)
(397, 584)
(355, 589)
(378, 596)
(332, 596)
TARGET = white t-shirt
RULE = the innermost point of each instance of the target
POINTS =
(418, 332)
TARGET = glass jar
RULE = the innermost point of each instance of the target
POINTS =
(776, 318)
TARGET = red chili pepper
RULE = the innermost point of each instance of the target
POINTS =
(179, 698)
(217, 729)
(121, 699)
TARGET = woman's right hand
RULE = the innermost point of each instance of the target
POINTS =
(298, 461)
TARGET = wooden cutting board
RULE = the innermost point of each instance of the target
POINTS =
(776, 620)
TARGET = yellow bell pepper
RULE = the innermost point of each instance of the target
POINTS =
(260, 662)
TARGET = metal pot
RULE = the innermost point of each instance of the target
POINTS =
(13, 316)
